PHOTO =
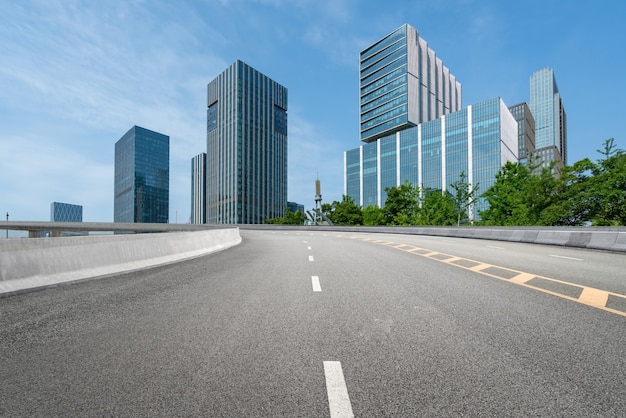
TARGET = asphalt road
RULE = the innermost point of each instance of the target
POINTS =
(319, 324)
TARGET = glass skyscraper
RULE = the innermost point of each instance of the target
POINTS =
(198, 189)
(525, 130)
(477, 141)
(142, 177)
(246, 147)
(402, 84)
(65, 212)
(546, 106)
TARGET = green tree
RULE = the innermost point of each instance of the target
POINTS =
(346, 212)
(609, 183)
(507, 197)
(438, 208)
(568, 200)
(584, 192)
(402, 204)
(326, 209)
(290, 218)
(464, 196)
(374, 216)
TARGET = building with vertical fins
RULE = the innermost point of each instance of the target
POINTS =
(198, 189)
(246, 159)
(525, 130)
(547, 108)
(477, 141)
(142, 177)
(403, 83)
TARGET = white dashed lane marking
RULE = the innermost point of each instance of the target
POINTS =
(338, 399)
(567, 258)
(315, 281)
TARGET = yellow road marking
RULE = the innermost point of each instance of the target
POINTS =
(478, 268)
(451, 260)
(589, 296)
(522, 278)
(594, 297)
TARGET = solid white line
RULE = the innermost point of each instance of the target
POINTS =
(567, 258)
(311, 258)
(338, 399)
(493, 246)
(315, 280)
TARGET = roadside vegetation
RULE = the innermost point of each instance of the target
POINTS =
(585, 193)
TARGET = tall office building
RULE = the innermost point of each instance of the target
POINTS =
(198, 189)
(246, 147)
(546, 106)
(477, 141)
(142, 177)
(65, 212)
(525, 130)
(403, 83)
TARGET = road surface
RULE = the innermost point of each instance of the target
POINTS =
(316, 324)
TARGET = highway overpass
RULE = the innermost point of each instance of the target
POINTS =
(328, 323)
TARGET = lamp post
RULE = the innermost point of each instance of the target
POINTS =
(7, 228)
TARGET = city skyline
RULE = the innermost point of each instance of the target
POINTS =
(74, 77)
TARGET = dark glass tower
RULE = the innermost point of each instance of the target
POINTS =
(142, 177)
(198, 189)
(546, 105)
(246, 147)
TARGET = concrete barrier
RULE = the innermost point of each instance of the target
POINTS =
(596, 238)
(28, 264)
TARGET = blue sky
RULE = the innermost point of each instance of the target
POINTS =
(76, 75)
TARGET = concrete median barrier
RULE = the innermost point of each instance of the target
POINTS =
(28, 264)
(596, 238)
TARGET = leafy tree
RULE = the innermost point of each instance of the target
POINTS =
(507, 197)
(570, 196)
(438, 208)
(346, 212)
(326, 209)
(290, 218)
(464, 196)
(609, 183)
(374, 216)
(584, 192)
(402, 204)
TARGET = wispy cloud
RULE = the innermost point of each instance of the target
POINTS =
(104, 68)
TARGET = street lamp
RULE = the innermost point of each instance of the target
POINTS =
(7, 228)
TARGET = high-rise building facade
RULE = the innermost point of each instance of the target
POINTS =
(246, 147)
(142, 177)
(525, 130)
(65, 212)
(403, 83)
(198, 189)
(546, 106)
(477, 141)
